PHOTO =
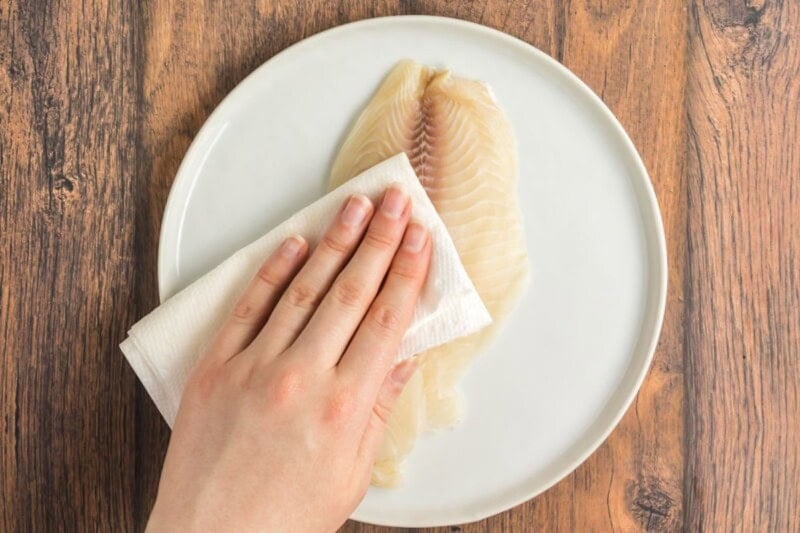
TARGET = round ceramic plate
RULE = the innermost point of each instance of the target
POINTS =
(570, 359)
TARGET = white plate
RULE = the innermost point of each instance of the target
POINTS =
(569, 362)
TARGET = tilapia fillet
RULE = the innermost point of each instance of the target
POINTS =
(463, 149)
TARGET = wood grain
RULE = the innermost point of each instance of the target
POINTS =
(743, 294)
(99, 101)
(69, 195)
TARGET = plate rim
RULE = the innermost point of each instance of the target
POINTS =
(646, 199)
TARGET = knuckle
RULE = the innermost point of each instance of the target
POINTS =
(381, 412)
(244, 312)
(288, 384)
(203, 383)
(405, 271)
(340, 407)
(348, 293)
(380, 240)
(333, 243)
(301, 295)
(385, 317)
(267, 275)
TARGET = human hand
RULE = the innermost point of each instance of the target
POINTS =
(281, 419)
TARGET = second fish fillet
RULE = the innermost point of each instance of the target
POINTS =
(463, 149)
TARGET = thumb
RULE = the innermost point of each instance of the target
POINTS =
(390, 390)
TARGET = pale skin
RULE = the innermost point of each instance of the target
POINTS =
(281, 419)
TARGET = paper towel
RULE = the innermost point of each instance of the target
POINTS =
(163, 346)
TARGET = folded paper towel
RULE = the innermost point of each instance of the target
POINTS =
(163, 346)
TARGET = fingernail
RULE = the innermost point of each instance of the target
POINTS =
(394, 202)
(292, 246)
(355, 211)
(415, 238)
(403, 371)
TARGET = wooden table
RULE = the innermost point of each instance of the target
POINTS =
(99, 100)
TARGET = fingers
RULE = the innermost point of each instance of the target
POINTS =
(374, 346)
(259, 298)
(304, 293)
(388, 394)
(343, 308)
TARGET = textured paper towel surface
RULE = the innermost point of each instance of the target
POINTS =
(163, 346)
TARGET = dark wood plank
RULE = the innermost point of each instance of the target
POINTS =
(68, 157)
(743, 297)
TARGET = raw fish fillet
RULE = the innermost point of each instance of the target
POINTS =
(463, 149)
